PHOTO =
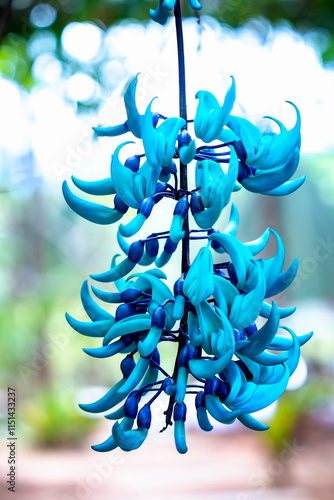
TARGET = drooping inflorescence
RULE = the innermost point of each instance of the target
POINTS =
(225, 364)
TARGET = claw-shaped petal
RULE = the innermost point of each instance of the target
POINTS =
(210, 116)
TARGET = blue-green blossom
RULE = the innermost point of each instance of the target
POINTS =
(228, 334)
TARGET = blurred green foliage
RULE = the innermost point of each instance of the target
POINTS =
(51, 421)
(307, 16)
(293, 406)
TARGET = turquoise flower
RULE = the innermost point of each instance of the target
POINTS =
(210, 116)
(230, 352)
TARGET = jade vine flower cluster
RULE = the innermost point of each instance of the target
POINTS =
(226, 364)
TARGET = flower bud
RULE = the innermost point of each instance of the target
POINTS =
(130, 294)
(200, 400)
(159, 317)
(136, 251)
(196, 204)
(124, 311)
(133, 163)
(211, 386)
(146, 206)
(182, 207)
(131, 406)
(127, 365)
(168, 386)
(119, 204)
(184, 138)
(144, 418)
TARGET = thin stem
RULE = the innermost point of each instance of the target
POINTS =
(185, 264)
(183, 114)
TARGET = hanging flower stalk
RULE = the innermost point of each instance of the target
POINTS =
(224, 364)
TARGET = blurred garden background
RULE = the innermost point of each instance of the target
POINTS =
(63, 68)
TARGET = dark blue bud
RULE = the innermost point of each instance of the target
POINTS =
(168, 386)
(245, 171)
(211, 385)
(141, 309)
(171, 168)
(124, 311)
(232, 273)
(158, 317)
(239, 334)
(144, 418)
(120, 205)
(133, 163)
(155, 118)
(214, 244)
(196, 204)
(161, 187)
(192, 308)
(193, 352)
(249, 330)
(183, 357)
(240, 150)
(152, 248)
(223, 390)
(165, 173)
(136, 251)
(130, 294)
(156, 356)
(200, 400)
(127, 339)
(178, 286)
(182, 207)
(170, 246)
(146, 206)
(184, 138)
(180, 412)
(131, 406)
(127, 365)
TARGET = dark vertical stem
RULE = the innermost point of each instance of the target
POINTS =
(183, 114)
(183, 185)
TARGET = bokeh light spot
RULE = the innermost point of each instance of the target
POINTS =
(82, 41)
(42, 15)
